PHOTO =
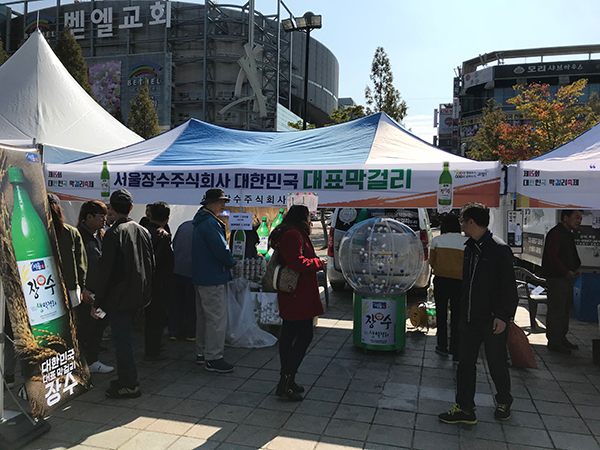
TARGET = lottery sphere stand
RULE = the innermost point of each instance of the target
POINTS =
(381, 259)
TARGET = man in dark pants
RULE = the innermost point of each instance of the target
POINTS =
(560, 264)
(182, 303)
(124, 286)
(92, 218)
(489, 301)
(155, 314)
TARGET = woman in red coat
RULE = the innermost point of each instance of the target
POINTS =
(297, 309)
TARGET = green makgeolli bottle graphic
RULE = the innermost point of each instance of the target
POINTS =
(445, 190)
(239, 245)
(277, 220)
(38, 270)
(104, 180)
(263, 236)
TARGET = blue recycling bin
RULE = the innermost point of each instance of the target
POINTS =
(586, 297)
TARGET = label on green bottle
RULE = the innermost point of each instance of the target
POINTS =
(104, 187)
(239, 245)
(263, 245)
(40, 287)
(445, 194)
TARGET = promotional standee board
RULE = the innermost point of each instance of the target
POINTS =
(40, 315)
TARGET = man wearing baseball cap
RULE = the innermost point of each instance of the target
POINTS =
(211, 264)
(124, 286)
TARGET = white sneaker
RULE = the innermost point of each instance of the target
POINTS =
(98, 367)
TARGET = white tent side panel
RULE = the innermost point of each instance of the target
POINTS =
(567, 177)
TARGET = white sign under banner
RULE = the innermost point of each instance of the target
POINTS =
(558, 184)
(407, 185)
(240, 221)
(308, 199)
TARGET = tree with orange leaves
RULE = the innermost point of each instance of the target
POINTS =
(550, 122)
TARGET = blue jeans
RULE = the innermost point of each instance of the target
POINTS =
(121, 324)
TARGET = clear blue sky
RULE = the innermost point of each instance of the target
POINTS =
(425, 40)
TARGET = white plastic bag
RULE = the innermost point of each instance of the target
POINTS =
(242, 329)
(269, 308)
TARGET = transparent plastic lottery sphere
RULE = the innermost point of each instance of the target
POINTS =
(381, 257)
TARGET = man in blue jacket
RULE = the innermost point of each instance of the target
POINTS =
(211, 264)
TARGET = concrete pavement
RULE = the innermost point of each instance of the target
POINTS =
(354, 400)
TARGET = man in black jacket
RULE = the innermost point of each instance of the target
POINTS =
(560, 266)
(124, 286)
(155, 314)
(489, 301)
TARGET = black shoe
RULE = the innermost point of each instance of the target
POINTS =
(570, 345)
(293, 386)
(502, 411)
(441, 350)
(118, 391)
(559, 349)
(284, 389)
(457, 415)
(218, 365)
(200, 359)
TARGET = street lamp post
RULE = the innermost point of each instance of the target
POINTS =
(306, 23)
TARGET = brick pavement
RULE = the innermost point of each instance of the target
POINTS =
(354, 400)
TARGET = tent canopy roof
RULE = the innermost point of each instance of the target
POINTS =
(375, 140)
(42, 101)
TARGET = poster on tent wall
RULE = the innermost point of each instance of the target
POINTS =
(40, 315)
(407, 185)
(558, 184)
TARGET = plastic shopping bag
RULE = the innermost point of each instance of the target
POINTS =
(242, 329)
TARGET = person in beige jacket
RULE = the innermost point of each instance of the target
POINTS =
(446, 260)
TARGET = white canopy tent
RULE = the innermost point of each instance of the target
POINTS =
(567, 177)
(41, 101)
(370, 162)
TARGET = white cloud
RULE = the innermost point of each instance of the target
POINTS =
(421, 126)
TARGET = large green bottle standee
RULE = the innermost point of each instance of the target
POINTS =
(379, 323)
(38, 270)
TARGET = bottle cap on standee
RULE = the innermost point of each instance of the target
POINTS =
(15, 175)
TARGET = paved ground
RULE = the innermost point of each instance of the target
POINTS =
(353, 401)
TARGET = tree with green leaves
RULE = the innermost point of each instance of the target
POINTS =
(3, 55)
(69, 52)
(384, 96)
(346, 114)
(594, 105)
(298, 125)
(487, 139)
(552, 120)
(143, 118)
